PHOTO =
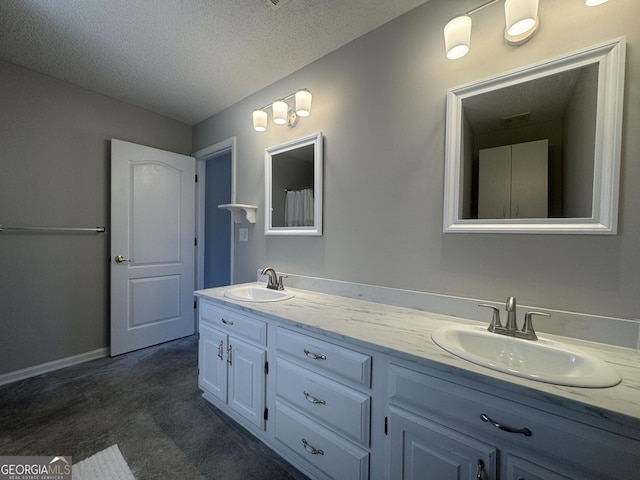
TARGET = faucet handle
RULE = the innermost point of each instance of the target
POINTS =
(280, 283)
(527, 328)
(495, 321)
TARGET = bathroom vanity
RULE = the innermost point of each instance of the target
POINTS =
(351, 389)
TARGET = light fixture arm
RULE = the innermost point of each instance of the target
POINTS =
(477, 9)
(284, 99)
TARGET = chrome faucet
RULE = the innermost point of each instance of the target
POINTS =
(275, 282)
(511, 328)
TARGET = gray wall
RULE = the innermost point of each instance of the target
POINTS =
(54, 170)
(380, 102)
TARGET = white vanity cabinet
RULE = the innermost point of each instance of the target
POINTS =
(323, 404)
(232, 361)
(436, 430)
(338, 405)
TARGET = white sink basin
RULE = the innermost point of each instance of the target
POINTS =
(542, 360)
(257, 293)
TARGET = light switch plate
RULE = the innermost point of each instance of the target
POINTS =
(243, 234)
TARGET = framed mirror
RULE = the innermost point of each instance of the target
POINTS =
(293, 187)
(537, 150)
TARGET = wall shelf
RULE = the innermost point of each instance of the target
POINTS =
(236, 210)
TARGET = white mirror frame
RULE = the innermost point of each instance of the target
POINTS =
(316, 229)
(611, 59)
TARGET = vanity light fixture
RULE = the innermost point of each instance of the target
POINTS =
(283, 113)
(521, 22)
(521, 17)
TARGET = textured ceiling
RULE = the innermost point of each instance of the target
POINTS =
(186, 59)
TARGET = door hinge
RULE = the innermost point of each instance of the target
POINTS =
(195, 304)
(195, 241)
(196, 178)
(266, 413)
(266, 368)
(386, 425)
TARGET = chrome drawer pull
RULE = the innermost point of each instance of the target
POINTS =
(221, 350)
(314, 356)
(227, 322)
(506, 428)
(480, 472)
(312, 450)
(313, 399)
(229, 355)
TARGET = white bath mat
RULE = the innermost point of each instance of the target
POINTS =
(109, 464)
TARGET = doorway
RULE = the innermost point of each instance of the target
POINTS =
(216, 186)
(217, 228)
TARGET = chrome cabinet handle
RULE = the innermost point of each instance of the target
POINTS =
(227, 322)
(121, 259)
(311, 449)
(221, 350)
(506, 428)
(229, 355)
(314, 356)
(480, 471)
(312, 399)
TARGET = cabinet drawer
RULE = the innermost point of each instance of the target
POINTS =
(578, 449)
(325, 450)
(325, 357)
(341, 408)
(234, 322)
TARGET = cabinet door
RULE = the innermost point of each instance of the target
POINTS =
(530, 179)
(423, 449)
(247, 380)
(494, 182)
(212, 361)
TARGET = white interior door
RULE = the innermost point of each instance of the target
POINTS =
(152, 246)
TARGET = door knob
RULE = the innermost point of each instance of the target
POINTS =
(121, 259)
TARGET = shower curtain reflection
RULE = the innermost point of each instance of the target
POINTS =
(298, 208)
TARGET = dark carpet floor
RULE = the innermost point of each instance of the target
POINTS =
(147, 402)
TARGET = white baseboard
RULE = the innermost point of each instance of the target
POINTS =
(29, 372)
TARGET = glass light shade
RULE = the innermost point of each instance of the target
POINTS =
(457, 37)
(593, 3)
(280, 112)
(303, 103)
(521, 16)
(259, 120)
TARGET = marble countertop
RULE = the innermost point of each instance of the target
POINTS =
(406, 334)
